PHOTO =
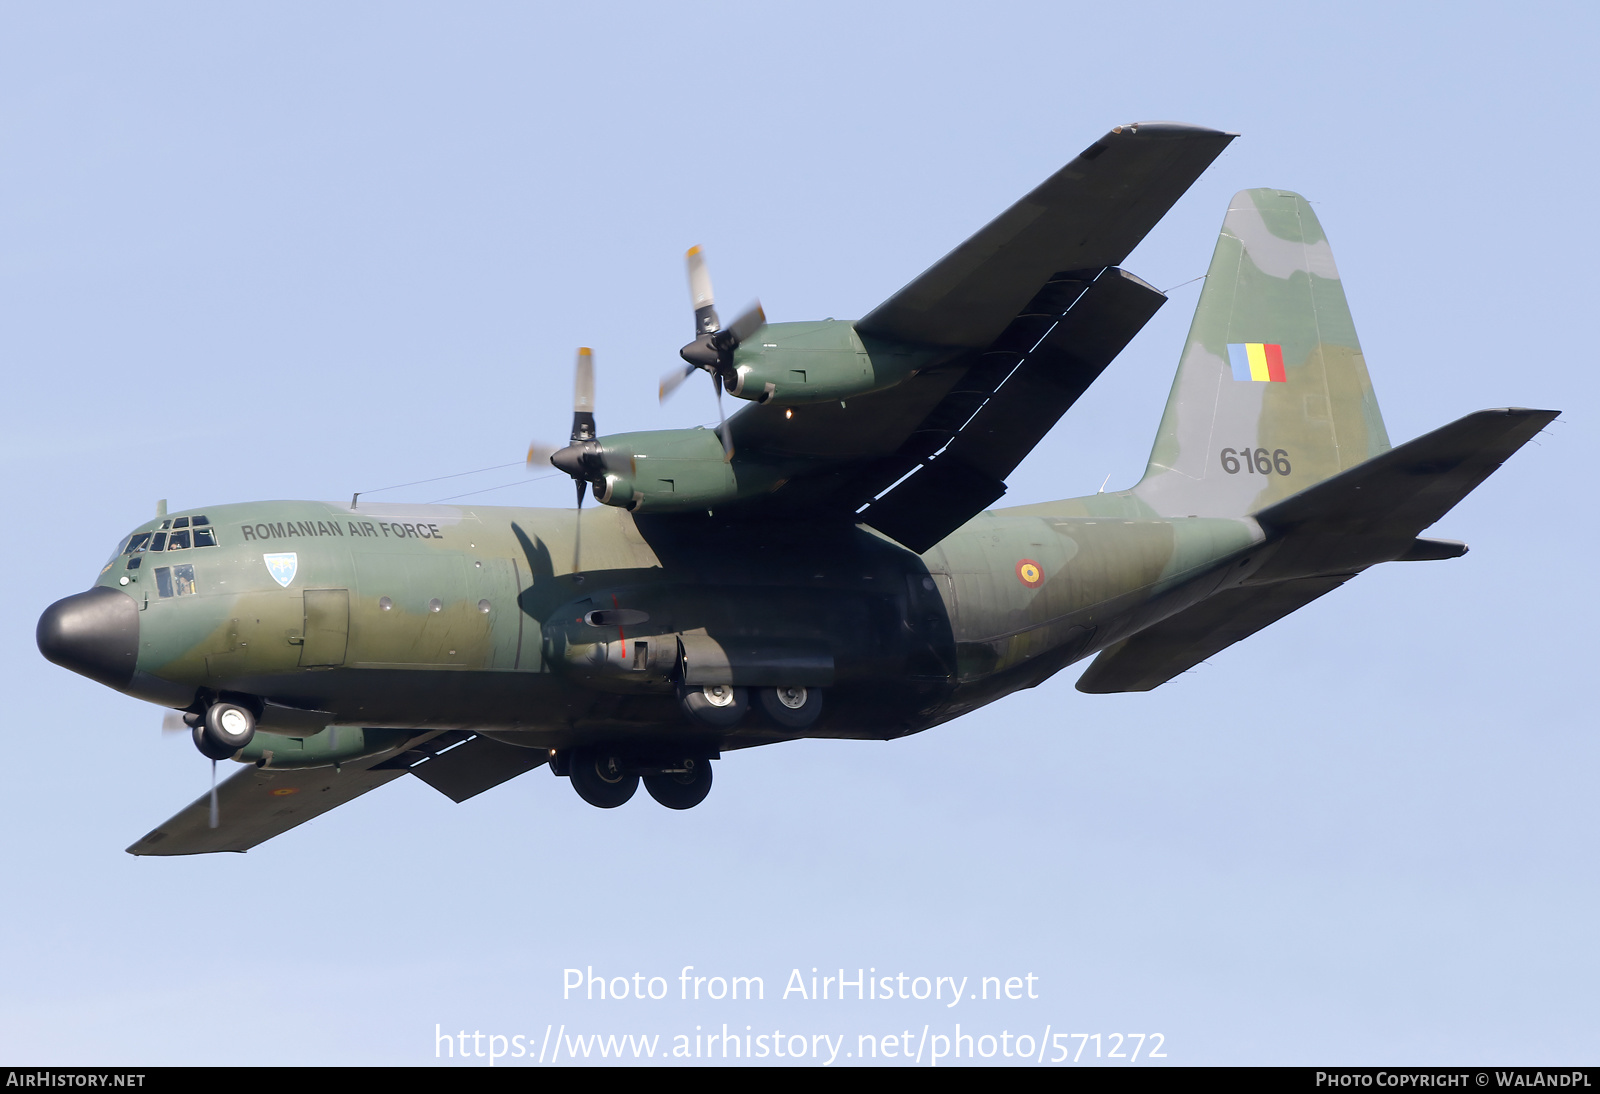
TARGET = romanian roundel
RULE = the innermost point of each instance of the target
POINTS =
(1030, 573)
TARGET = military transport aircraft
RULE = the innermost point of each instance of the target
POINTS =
(825, 563)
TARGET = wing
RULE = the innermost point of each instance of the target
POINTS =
(1087, 216)
(1022, 318)
(255, 804)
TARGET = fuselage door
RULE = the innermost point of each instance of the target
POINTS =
(327, 631)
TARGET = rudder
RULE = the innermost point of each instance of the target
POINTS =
(1272, 393)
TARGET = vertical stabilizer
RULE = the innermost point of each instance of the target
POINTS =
(1272, 394)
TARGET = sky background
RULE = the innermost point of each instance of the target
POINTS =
(298, 250)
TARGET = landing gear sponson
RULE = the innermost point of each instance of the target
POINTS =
(607, 777)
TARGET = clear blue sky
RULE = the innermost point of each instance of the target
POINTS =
(300, 250)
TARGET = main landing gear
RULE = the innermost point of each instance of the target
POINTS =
(605, 779)
(723, 706)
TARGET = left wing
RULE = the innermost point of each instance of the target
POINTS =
(1016, 323)
(1086, 216)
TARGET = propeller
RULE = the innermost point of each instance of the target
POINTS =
(582, 458)
(712, 349)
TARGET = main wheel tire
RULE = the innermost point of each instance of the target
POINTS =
(681, 790)
(601, 778)
(208, 748)
(226, 729)
(792, 707)
(714, 706)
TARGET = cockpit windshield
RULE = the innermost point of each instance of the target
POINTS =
(179, 534)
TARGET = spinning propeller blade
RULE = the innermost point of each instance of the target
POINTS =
(712, 349)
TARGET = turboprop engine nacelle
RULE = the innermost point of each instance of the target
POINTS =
(674, 471)
(795, 363)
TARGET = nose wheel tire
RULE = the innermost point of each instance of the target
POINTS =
(601, 778)
(226, 728)
(792, 707)
(714, 706)
(681, 789)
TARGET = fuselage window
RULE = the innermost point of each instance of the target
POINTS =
(175, 580)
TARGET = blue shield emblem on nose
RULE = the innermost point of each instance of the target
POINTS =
(282, 566)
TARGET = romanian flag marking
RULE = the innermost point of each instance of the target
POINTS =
(1029, 573)
(1257, 361)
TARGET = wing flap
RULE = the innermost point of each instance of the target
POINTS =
(1176, 645)
(1088, 215)
(468, 765)
(1017, 392)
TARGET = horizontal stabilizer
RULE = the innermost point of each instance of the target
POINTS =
(1323, 536)
(1374, 511)
(1154, 656)
(1404, 490)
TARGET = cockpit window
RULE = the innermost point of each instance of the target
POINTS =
(116, 554)
(204, 537)
(179, 540)
(159, 542)
(140, 542)
(181, 522)
(165, 525)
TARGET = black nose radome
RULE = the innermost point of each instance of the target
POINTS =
(94, 633)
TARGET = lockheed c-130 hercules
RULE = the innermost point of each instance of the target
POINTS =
(823, 564)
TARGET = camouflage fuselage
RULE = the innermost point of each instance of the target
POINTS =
(436, 617)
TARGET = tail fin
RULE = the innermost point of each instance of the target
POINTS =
(1272, 394)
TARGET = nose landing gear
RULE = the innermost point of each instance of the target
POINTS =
(224, 729)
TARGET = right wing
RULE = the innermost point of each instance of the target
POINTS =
(255, 804)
